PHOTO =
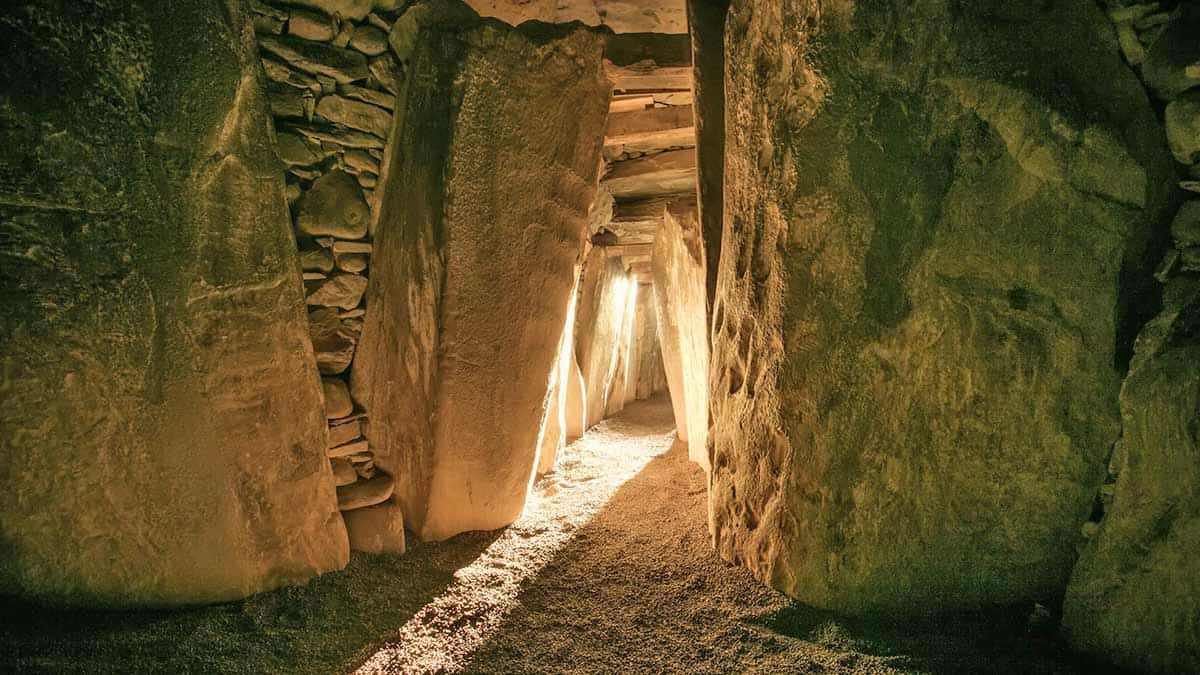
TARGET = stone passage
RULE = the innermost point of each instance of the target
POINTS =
(331, 81)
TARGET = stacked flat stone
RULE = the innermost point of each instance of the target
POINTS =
(331, 82)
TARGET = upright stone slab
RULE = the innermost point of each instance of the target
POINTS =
(163, 433)
(934, 232)
(473, 260)
(1134, 596)
(678, 268)
(598, 325)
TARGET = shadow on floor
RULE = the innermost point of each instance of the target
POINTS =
(326, 627)
(639, 589)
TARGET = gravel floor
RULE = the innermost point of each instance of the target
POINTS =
(609, 571)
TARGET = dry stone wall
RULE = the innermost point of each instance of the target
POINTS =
(933, 222)
(332, 79)
(1134, 596)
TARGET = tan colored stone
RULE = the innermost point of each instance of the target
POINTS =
(678, 268)
(317, 58)
(340, 290)
(337, 398)
(334, 339)
(369, 40)
(311, 25)
(351, 262)
(355, 114)
(365, 493)
(347, 450)
(158, 384)
(317, 260)
(343, 472)
(344, 432)
(334, 206)
(376, 529)
(464, 451)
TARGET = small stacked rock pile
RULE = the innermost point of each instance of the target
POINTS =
(332, 83)
(1162, 42)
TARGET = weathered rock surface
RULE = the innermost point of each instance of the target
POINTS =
(622, 16)
(678, 268)
(1134, 596)
(504, 206)
(350, 9)
(162, 439)
(343, 472)
(376, 529)
(355, 114)
(574, 403)
(600, 318)
(334, 206)
(337, 398)
(1170, 67)
(340, 290)
(365, 493)
(317, 58)
(921, 296)
(334, 339)
(1185, 228)
(1183, 127)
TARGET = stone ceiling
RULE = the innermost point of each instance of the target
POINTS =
(622, 16)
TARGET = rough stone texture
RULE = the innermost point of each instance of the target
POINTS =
(355, 114)
(1134, 596)
(163, 439)
(334, 207)
(932, 221)
(1183, 127)
(614, 395)
(1170, 69)
(679, 287)
(365, 493)
(337, 398)
(317, 58)
(575, 403)
(622, 16)
(1185, 228)
(333, 340)
(350, 9)
(340, 290)
(472, 264)
(649, 376)
(600, 318)
(376, 529)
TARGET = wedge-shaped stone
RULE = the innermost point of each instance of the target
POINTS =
(317, 58)
(355, 114)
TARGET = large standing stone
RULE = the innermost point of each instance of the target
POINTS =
(162, 435)
(575, 402)
(929, 268)
(678, 268)
(472, 264)
(334, 206)
(600, 318)
(1134, 596)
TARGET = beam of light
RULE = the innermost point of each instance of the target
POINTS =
(443, 634)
